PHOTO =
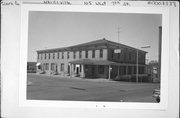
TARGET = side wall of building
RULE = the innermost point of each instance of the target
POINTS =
(126, 55)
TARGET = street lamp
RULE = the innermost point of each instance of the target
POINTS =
(137, 68)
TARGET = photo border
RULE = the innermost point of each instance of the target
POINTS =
(25, 8)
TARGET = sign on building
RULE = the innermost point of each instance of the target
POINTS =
(117, 51)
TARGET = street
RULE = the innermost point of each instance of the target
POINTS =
(43, 87)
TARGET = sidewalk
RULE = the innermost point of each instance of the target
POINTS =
(74, 78)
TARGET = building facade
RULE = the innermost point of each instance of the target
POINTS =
(97, 59)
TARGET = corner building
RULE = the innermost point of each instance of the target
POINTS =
(97, 59)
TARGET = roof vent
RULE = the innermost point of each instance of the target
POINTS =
(104, 38)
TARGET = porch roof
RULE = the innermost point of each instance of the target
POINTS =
(92, 62)
(101, 62)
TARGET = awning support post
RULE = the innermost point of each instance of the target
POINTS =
(82, 71)
(70, 70)
(109, 72)
(118, 70)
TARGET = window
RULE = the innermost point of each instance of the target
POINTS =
(74, 55)
(67, 55)
(52, 66)
(129, 70)
(93, 53)
(101, 53)
(86, 54)
(112, 53)
(125, 55)
(53, 55)
(49, 55)
(58, 55)
(45, 56)
(129, 55)
(38, 55)
(101, 69)
(80, 54)
(62, 55)
(41, 56)
(47, 66)
(62, 67)
(118, 55)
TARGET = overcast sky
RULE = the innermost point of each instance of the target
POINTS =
(59, 29)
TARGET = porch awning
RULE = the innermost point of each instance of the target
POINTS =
(38, 64)
(102, 62)
(92, 62)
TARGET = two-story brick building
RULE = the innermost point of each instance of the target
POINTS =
(97, 59)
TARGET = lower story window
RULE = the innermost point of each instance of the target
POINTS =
(101, 69)
(53, 66)
(62, 67)
(47, 66)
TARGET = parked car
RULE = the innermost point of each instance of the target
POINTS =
(156, 95)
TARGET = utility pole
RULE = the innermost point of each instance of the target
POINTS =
(118, 33)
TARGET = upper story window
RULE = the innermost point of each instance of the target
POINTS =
(101, 53)
(53, 55)
(41, 56)
(93, 53)
(68, 55)
(62, 55)
(119, 55)
(112, 53)
(80, 54)
(86, 54)
(125, 56)
(45, 56)
(38, 55)
(49, 55)
(58, 55)
(74, 55)
(129, 55)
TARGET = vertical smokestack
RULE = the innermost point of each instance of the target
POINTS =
(160, 41)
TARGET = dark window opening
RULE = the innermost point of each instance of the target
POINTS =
(80, 54)
(93, 53)
(41, 56)
(53, 55)
(58, 55)
(74, 55)
(67, 55)
(47, 66)
(62, 55)
(38, 55)
(101, 69)
(86, 54)
(101, 53)
(62, 67)
(112, 53)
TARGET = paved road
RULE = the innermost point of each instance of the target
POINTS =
(58, 88)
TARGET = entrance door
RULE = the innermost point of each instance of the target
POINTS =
(77, 70)
(68, 68)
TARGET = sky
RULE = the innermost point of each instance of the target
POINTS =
(48, 30)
